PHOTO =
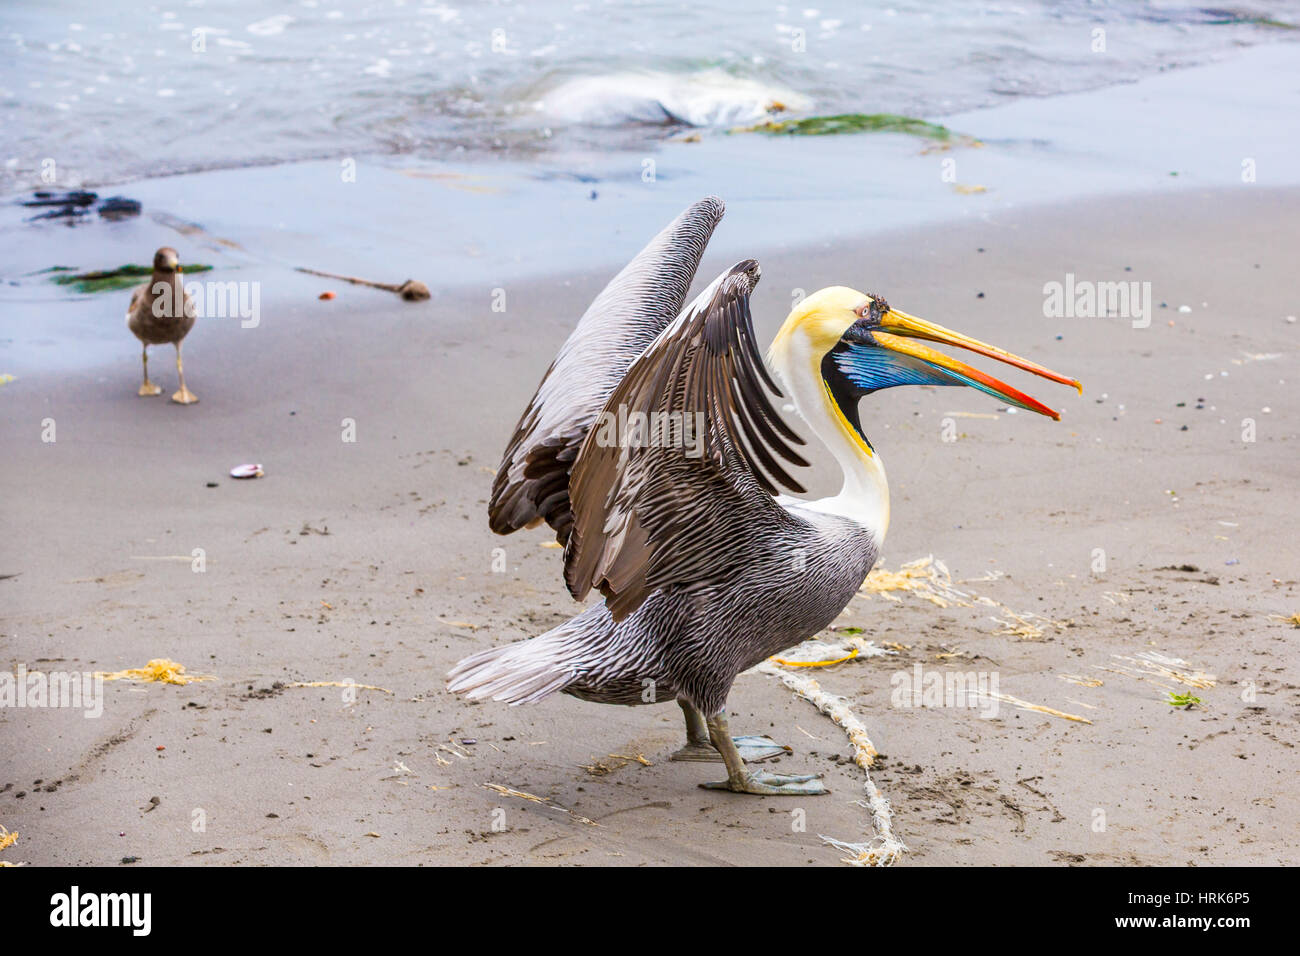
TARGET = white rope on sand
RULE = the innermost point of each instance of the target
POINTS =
(884, 848)
(930, 580)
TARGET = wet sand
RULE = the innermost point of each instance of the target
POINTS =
(371, 562)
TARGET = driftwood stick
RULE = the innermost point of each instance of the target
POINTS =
(411, 290)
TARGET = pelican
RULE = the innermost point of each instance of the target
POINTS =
(161, 312)
(705, 567)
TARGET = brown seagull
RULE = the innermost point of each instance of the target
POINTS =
(161, 313)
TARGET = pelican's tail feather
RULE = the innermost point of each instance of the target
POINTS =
(518, 673)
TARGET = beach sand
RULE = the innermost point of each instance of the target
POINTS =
(371, 561)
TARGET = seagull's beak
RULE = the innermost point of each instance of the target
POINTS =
(899, 333)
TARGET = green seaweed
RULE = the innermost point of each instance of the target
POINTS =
(111, 280)
(1222, 18)
(1274, 24)
(851, 123)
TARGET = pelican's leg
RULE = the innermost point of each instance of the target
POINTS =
(183, 395)
(752, 748)
(147, 387)
(760, 782)
(697, 735)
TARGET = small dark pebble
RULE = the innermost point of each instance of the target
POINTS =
(130, 859)
(119, 207)
(212, 484)
(979, 295)
(1183, 429)
(75, 198)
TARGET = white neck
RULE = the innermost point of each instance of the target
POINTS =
(864, 494)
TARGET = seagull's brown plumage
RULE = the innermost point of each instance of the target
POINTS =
(161, 313)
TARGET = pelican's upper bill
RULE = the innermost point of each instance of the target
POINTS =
(857, 344)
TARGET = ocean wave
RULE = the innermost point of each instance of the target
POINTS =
(701, 98)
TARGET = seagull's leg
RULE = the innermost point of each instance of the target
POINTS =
(147, 387)
(183, 395)
(760, 782)
(753, 748)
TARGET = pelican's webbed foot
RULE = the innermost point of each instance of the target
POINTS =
(761, 782)
(764, 783)
(753, 748)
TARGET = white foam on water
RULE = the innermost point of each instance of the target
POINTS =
(270, 26)
(702, 98)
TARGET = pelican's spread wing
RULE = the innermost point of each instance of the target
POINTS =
(532, 483)
(679, 470)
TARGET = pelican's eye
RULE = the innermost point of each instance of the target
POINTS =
(871, 309)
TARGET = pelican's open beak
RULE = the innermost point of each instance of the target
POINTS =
(898, 332)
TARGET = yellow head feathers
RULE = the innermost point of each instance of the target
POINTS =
(820, 320)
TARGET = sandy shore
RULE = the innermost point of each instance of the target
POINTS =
(372, 562)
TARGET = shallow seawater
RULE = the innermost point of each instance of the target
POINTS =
(258, 164)
(139, 88)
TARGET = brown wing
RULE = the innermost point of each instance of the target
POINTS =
(532, 483)
(683, 460)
